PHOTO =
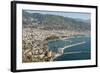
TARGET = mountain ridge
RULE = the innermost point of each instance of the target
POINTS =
(49, 21)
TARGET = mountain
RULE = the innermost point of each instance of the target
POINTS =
(49, 22)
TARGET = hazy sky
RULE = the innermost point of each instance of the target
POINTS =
(80, 15)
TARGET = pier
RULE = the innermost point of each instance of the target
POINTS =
(62, 49)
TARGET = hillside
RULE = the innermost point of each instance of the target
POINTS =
(50, 22)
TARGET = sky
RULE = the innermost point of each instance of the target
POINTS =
(78, 15)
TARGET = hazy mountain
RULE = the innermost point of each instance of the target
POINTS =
(49, 22)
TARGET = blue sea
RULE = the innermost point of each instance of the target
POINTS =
(78, 52)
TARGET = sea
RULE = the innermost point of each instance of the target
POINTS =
(77, 52)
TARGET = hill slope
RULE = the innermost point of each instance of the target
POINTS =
(50, 22)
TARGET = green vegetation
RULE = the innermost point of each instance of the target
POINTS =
(53, 37)
(49, 22)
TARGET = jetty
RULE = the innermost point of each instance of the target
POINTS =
(65, 47)
(73, 45)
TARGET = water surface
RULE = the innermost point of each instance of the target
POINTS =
(78, 52)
